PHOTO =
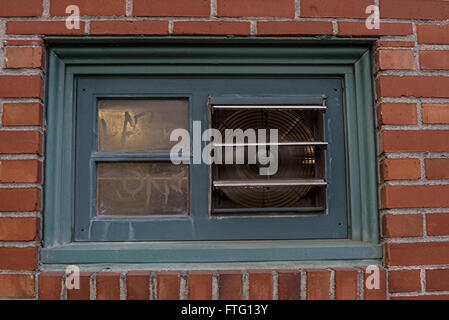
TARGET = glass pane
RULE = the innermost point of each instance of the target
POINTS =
(140, 125)
(142, 189)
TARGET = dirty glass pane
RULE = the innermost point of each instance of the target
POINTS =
(141, 189)
(140, 125)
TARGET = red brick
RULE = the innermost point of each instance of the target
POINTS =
(20, 142)
(256, 8)
(437, 280)
(402, 225)
(83, 293)
(230, 285)
(20, 171)
(289, 285)
(171, 8)
(404, 281)
(433, 196)
(211, 27)
(394, 59)
(168, 285)
(41, 27)
(20, 8)
(414, 9)
(435, 113)
(89, 7)
(108, 286)
(16, 286)
(332, 8)
(260, 285)
(50, 285)
(138, 285)
(413, 86)
(422, 297)
(415, 141)
(18, 258)
(396, 44)
(21, 87)
(386, 28)
(200, 285)
(129, 27)
(23, 42)
(22, 114)
(294, 27)
(375, 294)
(415, 254)
(346, 284)
(23, 57)
(400, 169)
(318, 284)
(434, 59)
(396, 114)
(437, 168)
(20, 199)
(433, 34)
(19, 229)
(437, 224)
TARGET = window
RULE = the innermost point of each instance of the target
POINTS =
(110, 177)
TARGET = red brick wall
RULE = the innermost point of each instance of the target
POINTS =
(412, 103)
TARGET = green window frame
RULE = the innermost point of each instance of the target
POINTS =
(201, 224)
(349, 62)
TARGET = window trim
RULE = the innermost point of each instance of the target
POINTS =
(352, 62)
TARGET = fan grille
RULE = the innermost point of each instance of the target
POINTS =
(294, 161)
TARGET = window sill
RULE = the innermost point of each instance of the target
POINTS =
(207, 252)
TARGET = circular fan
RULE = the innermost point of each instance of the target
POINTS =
(293, 161)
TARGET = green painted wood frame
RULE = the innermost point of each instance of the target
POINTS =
(200, 224)
(352, 62)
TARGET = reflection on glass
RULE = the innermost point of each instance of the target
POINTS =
(139, 125)
(142, 189)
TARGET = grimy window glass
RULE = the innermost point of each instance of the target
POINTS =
(139, 125)
(141, 188)
(137, 188)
